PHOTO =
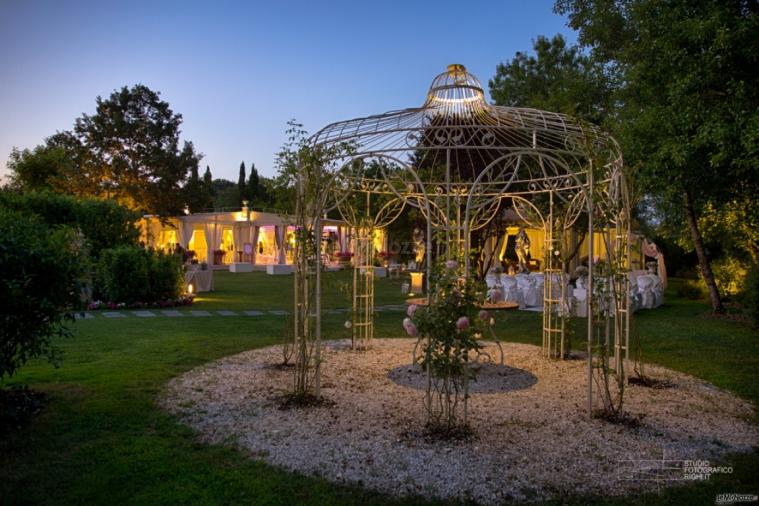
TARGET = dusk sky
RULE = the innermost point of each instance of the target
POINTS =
(237, 71)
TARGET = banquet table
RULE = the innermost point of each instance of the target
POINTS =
(202, 281)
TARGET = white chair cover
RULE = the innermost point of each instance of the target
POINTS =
(646, 292)
(580, 302)
(539, 281)
(530, 294)
(658, 291)
(495, 294)
(511, 289)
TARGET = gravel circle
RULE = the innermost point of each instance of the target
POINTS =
(532, 439)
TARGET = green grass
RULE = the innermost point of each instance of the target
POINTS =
(255, 290)
(102, 439)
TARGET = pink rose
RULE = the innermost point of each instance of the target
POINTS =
(462, 323)
(484, 315)
(411, 329)
(411, 310)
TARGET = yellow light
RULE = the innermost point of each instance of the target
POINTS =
(417, 280)
(190, 288)
(476, 98)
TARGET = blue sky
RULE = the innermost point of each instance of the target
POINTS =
(237, 71)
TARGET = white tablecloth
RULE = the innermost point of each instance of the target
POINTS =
(202, 281)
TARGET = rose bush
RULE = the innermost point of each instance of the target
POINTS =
(451, 323)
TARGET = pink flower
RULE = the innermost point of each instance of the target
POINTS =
(411, 310)
(484, 315)
(411, 329)
(451, 264)
(462, 323)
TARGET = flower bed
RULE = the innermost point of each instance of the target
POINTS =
(185, 300)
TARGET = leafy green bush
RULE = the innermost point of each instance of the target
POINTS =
(104, 223)
(122, 275)
(42, 277)
(729, 275)
(131, 274)
(750, 295)
(691, 289)
(165, 276)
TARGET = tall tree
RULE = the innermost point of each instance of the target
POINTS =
(40, 169)
(193, 190)
(557, 77)
(242, 190)
(62, 164)
(129, 150)
(136, 135)
(209, 192)
(689, 100)
(254, 186)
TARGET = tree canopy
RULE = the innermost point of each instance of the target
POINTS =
(687, 100)
(557, 78)
(129, 150)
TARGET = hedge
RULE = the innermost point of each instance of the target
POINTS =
(131, 274)
(104, 223)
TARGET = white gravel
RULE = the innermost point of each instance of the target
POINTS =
(533, 440)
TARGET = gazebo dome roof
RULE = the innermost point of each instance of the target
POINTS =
(455, 86)
(456, 115)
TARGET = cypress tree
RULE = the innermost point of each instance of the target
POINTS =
(241, 187)
(254, 191)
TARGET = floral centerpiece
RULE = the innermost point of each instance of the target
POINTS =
(218, 256)
(344, 257)
(384, 258)
(451, 325)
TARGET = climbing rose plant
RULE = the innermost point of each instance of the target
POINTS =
(450, 326)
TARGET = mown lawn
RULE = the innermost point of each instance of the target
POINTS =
(102, 439)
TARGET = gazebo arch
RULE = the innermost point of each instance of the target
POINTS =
(461, 161)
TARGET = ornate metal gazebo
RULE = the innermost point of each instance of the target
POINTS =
(460, 161)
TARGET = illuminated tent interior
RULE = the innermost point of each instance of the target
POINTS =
(223, 238)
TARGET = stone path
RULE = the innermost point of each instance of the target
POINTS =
(199, 313)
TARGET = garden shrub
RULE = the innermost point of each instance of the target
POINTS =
(131, 274)
(165, 276)
(104, 223)
(42, 278)
(691, 289)
(729, 275)
(750, 295)
(122, 275)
